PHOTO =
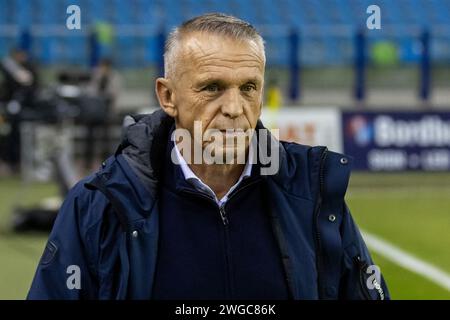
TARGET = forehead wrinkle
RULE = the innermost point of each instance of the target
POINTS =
(192, 45)
(218, 56)
(229, 63)
(214, 68)
(196, 48)
(218, 59)
(218, 75)
(194, 55)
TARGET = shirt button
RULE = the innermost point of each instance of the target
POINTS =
(332, 218)
(135, 234)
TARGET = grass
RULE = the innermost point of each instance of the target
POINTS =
(403, 284)
(19, 256)
(19, 253)
(411, 211)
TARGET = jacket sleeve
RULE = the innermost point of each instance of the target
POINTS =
(66, 269)
(361, 278)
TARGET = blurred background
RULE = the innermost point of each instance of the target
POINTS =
(372, 82)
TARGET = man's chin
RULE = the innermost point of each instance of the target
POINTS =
(229, 154)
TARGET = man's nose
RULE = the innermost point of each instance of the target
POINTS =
(232, 103)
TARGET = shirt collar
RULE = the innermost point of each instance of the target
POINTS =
(190, 176)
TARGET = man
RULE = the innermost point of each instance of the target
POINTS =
(153, 223)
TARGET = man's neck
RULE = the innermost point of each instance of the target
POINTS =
(219, 177)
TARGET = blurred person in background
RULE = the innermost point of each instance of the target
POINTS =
(105, 84)
(17, 91)
(19, 77)
(152, 225)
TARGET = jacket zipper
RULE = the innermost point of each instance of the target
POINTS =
(223, 215)
(228, 255)
(316, 216)
(222, 212)
(225, 222)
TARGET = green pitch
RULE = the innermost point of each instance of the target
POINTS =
(411, 211)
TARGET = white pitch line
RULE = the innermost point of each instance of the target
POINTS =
(394, 192)
(407, 261)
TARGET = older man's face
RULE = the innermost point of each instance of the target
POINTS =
(218, 81)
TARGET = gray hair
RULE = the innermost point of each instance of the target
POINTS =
(215, 23)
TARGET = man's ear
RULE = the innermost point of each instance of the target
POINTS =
(166, 96)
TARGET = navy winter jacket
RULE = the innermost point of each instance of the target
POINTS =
(108, 225)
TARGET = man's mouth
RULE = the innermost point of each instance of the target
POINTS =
(233, 136)
(232, 132)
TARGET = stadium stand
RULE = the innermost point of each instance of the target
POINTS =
(327, 27)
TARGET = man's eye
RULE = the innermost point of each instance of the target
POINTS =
(248, 87)
(211, 88)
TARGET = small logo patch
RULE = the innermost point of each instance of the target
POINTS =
(49, 253)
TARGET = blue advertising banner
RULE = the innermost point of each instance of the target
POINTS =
(397, 141)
